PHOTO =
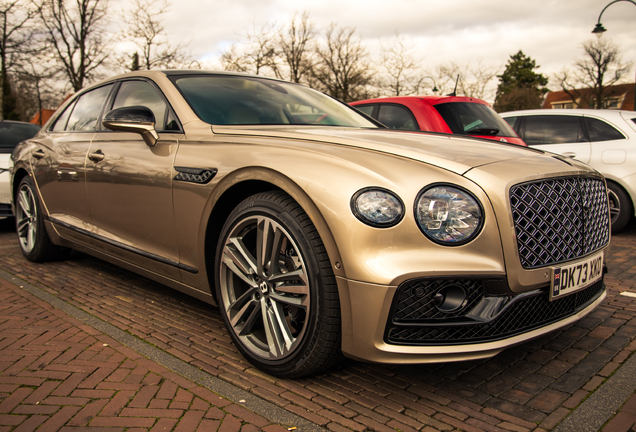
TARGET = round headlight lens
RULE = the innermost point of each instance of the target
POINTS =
(377, 207)
(448, 215)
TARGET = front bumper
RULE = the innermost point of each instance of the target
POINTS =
(370, 332)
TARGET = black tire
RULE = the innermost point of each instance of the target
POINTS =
(33, 238)
(281, 307)
(620, 207)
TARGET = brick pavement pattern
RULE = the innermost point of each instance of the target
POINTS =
(625, 418)
(529, 387)
(58, 374)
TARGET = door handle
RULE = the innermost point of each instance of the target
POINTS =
(569, 154)
(97, 156)
(39, 154)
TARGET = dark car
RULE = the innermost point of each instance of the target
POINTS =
(447, 114)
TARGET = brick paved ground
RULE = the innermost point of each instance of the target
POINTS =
(531, 387)
(625, 419)
(58, 374)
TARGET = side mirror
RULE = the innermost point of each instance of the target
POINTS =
(137, 119)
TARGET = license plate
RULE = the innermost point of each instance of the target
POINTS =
(571, 278)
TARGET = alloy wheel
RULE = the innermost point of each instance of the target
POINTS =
(265, 287)
(614, 205)
(26, 218)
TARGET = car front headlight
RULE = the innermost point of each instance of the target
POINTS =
(448, 215)
(377, 207)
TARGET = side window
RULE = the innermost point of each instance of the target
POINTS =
(60, 123)
(87, 109)
(546, 129)
(601, 131)
(134, 93)
(396, 117)
(512, 121)
(367, 109)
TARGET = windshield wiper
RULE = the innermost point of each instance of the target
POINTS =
(483, 131)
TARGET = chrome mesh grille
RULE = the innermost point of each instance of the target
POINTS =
(560, 219)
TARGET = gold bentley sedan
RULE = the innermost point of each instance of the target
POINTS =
(317, 231)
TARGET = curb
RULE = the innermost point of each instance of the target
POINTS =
(254, 403)
(603, 403)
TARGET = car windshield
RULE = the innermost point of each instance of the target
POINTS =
(11, 133)
(468, 118)
(237, 100)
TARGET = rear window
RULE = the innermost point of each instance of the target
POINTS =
(598, 130)
(11, 133)
(467, 118)
(396, 117)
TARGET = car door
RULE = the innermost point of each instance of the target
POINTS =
(562, 134)
(129, 184)
(59, 162)
(610, 148)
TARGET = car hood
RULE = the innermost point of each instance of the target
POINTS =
(454, 153)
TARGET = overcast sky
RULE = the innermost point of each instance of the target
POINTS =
(549, 31)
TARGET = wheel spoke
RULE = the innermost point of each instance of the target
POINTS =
(263, 242)
(25, 203)
(240, 261)
(247, 315)
(298, 278)
(23, 225)
(291, 300)
(279, 339)
(31, 237)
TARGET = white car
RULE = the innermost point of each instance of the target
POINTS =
(603, 139)
(11, 133)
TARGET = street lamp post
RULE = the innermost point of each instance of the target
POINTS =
(599, 30)
(435, 90)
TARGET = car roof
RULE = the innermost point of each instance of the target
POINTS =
(431, 99)
(563, 111)
(18, 122)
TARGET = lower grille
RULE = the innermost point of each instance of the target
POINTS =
(5, 210)
(525, 314)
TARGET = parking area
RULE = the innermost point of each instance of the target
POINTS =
(533, 386)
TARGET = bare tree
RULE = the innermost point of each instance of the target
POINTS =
(257, 55)
(598, 70)
(148, 33)
(76, 33)
(233, 60)
(16, 44)
(400, 66)
(295, 46)
(37, 84)
(342, 70)
(475, 80)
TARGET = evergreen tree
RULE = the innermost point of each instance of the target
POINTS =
(520, 87)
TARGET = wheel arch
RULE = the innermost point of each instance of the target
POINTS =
(244, 183)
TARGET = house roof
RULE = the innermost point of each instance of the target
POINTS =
(583, 95)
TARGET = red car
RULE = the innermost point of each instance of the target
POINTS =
(446, 114)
